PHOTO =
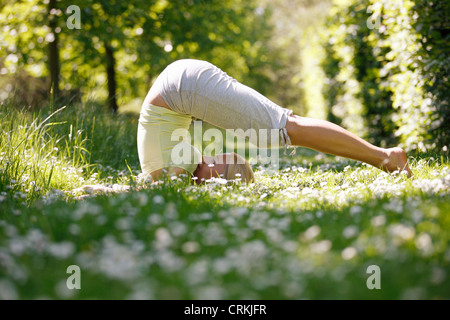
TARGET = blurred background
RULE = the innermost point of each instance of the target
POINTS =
(378, 68)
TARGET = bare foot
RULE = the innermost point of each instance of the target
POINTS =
(396, 161)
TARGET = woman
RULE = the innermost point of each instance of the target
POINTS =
(191, 88)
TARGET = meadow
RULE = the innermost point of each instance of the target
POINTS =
(310, 230)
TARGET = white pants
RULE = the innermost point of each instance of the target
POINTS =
(200, 89)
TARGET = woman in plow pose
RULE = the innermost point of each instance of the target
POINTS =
(189, 88)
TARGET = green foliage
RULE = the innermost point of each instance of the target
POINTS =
(433, 24)
(386, 71)
(230, 34)
(143, 36)
(409, 98)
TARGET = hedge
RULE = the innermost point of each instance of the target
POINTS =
(384, 71)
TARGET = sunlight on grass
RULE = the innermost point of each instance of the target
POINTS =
(309, 230)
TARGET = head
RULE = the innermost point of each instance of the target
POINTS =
(228, 166)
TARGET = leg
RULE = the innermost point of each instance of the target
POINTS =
(327, 137)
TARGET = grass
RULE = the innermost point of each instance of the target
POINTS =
(308, 231)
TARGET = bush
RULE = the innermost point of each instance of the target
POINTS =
(386, 69)
(433, 25)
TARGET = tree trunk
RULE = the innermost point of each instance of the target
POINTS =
(111, 74)
(53, 53)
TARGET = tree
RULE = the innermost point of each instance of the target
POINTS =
(123, 45)
(29, 48)
(53, 50)
(106, 29)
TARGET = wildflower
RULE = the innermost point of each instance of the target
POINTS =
(321, 246)
(74, 229)
(63, 291)
(168, 261)
(142, 199)
(163, 238)
(7, 290)
(154, 219)
(190, 247)
(438, 275)
(401, 232)
(158, 199)
(221, 181)
(350, 232)
(378, 221)
(117, 261)
(424, 243)
(62, 250)
(311, 233)
(210, 293)
(348, 253)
